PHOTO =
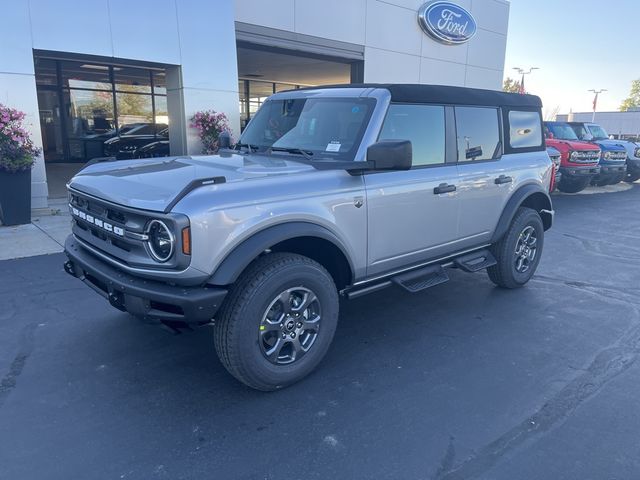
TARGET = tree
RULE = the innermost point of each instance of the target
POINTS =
(633, 100)
(511, 85)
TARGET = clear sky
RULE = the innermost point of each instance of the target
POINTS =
(578, 45)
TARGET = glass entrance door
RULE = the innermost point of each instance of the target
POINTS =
(51, 125)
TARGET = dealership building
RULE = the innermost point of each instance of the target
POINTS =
(87, 72)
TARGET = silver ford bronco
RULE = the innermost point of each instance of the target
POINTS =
(342, 190)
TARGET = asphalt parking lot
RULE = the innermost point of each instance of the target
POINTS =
(461, 381)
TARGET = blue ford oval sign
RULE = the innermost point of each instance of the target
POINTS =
(447, 22)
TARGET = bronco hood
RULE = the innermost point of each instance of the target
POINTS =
(154, 184)
(572, 144)
(609, 145)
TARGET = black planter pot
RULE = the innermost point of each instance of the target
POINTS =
(15, 197)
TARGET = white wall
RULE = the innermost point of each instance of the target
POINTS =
(396, 49)
(197, 35)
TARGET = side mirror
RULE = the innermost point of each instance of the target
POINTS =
(390, 155)
(224, 140)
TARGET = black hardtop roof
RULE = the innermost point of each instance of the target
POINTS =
(418, 93)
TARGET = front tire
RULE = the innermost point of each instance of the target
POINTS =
(277, 322)
(518, 251)
(632, 177)
(616, 179)
(574, 185)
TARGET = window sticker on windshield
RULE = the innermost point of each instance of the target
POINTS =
(333, 146)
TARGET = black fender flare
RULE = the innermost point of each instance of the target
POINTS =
(520, 196)
(249, 249)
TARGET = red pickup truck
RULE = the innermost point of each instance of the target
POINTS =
(578, 160)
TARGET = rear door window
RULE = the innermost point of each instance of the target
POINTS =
(478, 134)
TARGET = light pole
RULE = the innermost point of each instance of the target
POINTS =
(595, 102)
(524, 72)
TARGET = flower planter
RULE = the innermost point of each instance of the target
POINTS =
(15, 197)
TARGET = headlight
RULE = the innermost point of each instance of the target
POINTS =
(574, 154)
(637, 152)
(161, 240)
(606, 155)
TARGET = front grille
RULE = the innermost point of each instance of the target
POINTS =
(109, 228)
(616, 156)
(120, 232)
(585, 156)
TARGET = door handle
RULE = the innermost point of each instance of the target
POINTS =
(444, 188)
(503, 179)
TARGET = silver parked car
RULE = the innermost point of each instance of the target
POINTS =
(333, 191)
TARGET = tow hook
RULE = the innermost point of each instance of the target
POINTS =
(68, 267)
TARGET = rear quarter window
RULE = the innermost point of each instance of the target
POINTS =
(525, 129)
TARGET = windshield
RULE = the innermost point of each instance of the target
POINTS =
(581, 132)
(322, 127)
(561, 131)
(598, 132)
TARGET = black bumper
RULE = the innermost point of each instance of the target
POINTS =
(579, 171)
(147, 299)
(613, 169)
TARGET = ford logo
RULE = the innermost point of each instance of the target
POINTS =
(447, 22)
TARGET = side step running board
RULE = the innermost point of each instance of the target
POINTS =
(421, 279)
(475, 261)
(429, 276)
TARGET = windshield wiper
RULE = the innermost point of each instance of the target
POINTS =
(248, 146)
(297, 151)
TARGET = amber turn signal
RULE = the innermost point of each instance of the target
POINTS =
(186, 241)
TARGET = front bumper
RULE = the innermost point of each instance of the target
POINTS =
(579, 171)
(147, 299)
(613, 169)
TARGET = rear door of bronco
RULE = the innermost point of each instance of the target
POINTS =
(484, 181)
(413, 214)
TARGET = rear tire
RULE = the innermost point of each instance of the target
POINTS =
(518, 252)
(573, 185)
(277, 321)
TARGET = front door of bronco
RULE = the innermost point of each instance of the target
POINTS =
(412, 214)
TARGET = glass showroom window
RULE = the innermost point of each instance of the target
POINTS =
(85, 104)
(253, 93)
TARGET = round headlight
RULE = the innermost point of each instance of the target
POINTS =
(574, 154)
(637, 152)
(607, 154)
(161, 240)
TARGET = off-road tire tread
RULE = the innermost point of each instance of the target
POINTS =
(571, 186)
(501, 272)
(631, 177)
(256, 274)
